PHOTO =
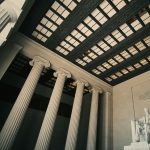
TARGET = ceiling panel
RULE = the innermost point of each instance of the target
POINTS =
(108, 38)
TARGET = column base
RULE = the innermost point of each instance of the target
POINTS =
(138, 146)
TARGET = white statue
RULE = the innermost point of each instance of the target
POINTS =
(147, 124)
(141, 128)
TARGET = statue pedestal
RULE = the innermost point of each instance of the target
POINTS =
(138, 146)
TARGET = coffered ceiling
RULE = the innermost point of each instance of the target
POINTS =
(109, 38)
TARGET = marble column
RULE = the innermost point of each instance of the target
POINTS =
(46, 130)
(7, 14)
(92, 130)
(75, 116)
(15, 118)
(107, 122)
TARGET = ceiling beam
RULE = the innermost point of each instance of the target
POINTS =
(36, 13)
(82, 10)
(131, 75)
(130, 61)
(32, 48)
(121, 17)
(130, 41)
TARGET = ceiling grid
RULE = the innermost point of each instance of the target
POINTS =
(108, 38)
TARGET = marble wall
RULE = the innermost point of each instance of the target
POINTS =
(129, 100)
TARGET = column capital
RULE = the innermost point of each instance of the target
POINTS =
(63, 72)
(96, 88)
(108, 92)
(7, 6)
(82, 81)
(40, 60)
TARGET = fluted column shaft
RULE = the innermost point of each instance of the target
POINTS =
(7, 14)
(75, 117)
(4, 18)
(92, 130)
(107, 124)
(14, 120)
(45, 134)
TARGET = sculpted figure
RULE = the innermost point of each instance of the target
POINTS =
(147, 124)
(140, 131)
(141, 128)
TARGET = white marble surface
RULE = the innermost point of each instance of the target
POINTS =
(138, 146)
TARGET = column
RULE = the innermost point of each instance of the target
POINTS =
(107, 122)
(7, 55)
(45, 134)
(75, 116)
(92, 131)
(15, 118)
(7, 14)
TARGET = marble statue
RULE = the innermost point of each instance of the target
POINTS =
(140, 133)
(141, 128)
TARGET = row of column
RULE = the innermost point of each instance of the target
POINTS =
(15, 118)
(7, 14)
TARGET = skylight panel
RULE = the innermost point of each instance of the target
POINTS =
(108, 79)
(62, 50)
(39, 36)
(113, 76)
(91, 23)
(103, 45)
(126, 29)
(110, 40)
(84, 30)
(143, 61)
(66, 45)
(96, 71)
(54, 18)
(92, 55)
(125, 54)
(106, 65)
(140, 46)
(147, 40)
(118, 58)
(99, 16)
(44, 21)
(130, 68)
(78, 35)
(97, 50)
(39, 28)
(137, 65)
(48, 33)
(132, 50)
(44, 30)
(107, 8)
(112, 62)
(60, 9)
(87, 59)
(119, 74)
(136, 25)
(71, 40)
(95, 13)
(118, 35)
(148, 58)
(119, 3)
(124, 71)
(145, 17)
(72, 5)
(101, 68)
(81, 62)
